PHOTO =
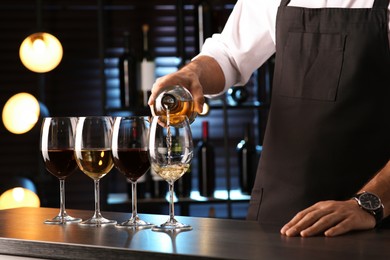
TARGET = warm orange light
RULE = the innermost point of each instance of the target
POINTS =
(41, 52)
(21, 113)
(19, 197)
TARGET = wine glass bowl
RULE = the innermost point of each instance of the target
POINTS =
(130, 154)
(57, 148)
(94, 158)
(171, 152)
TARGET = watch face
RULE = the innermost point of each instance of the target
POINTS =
(369, 201)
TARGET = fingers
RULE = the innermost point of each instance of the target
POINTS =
(330, 218)
(184, 79)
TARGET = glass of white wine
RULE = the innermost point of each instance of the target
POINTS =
(170, 152)
(93, 155)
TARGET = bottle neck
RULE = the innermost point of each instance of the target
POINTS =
(205, 131)
(126, 42)
(146, 46)
(169, 102)
(249, 135)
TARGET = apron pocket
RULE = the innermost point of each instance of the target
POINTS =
(311, 65)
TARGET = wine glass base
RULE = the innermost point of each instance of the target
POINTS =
(135, 224)
(172, 226)
(97, 222)
(59, 220)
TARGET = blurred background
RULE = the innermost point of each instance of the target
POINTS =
(93, 35)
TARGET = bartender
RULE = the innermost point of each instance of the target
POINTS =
(325, 164)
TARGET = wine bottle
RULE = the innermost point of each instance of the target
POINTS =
(183, 186)
(238, 94)
(148, 66)
(174, 100)
(128, 75)
(203, 22)
(206, 163)
(248, 155)
(158, 185)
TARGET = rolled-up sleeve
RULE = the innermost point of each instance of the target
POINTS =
(246, 42)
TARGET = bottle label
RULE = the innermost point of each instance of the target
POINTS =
(147, 75)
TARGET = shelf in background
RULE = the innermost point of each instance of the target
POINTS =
(219, 104)
(121, 202)
(219, 197)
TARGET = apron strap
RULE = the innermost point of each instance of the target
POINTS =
(284, 2)
(381, 4)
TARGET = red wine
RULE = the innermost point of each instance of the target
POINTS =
(206, 163)
(132, 162)
(60, 163)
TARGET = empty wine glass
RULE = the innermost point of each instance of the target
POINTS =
(57, 148)
(171, 152)
(131, 158)
(93, 155)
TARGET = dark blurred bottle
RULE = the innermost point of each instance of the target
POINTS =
(248, 156)
(174, 100)
(183, 186)
(148, 66)
(206, 163)
(237, 94)
(128, 75)
(203, 23)
(158, 186)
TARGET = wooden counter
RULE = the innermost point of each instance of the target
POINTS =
(22, 233)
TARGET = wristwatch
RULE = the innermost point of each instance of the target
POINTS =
(372, 204)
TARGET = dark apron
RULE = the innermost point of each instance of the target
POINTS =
(329, 124)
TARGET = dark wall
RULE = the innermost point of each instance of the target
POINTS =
(89, 31)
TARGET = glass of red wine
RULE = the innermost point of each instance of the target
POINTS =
(130, 153)
(57, 147)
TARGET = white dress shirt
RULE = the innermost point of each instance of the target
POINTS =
(248, 39)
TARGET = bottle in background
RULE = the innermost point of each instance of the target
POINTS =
(174, 100)
(248, 155)
(183, 186)
(237, 95)
(206, 163)
(158, 187)
(203, 23)
(147, 67)
(128, 75)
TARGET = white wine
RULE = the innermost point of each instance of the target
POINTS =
(95, 163)
(175, 101)
(171, 172)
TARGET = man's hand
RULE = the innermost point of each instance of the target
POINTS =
(201, 76)
(185, 78)
(331, 218)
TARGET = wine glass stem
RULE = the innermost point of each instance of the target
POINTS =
(62, 198)
(171, 204)
(97, 198)
(134, 199)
